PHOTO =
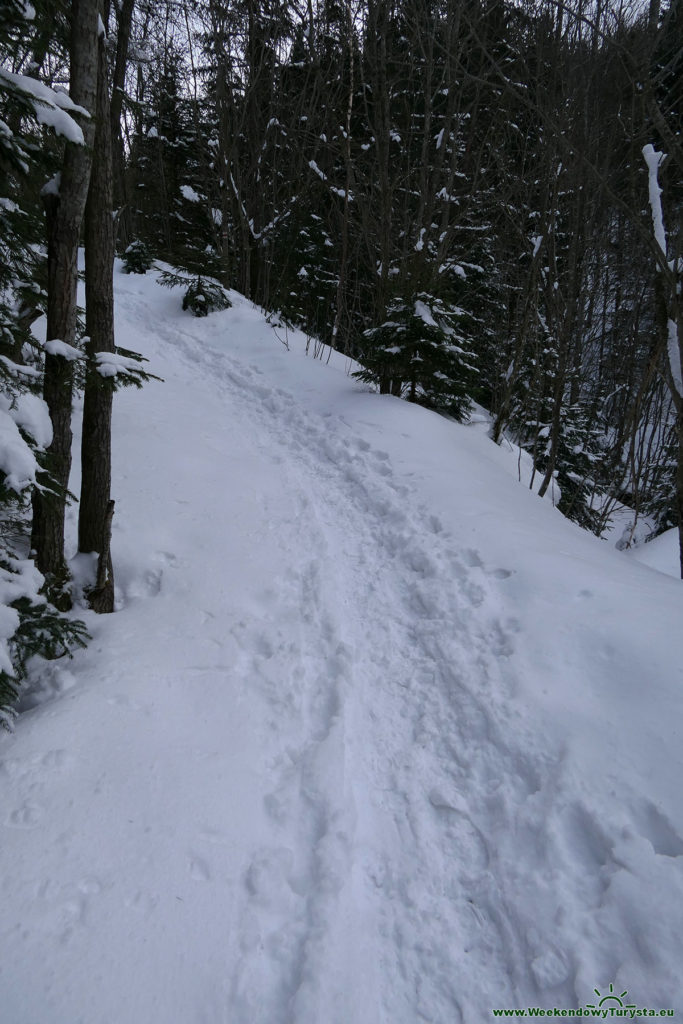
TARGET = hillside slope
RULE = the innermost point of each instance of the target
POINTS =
(375, 736)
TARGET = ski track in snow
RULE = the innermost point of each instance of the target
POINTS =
(394, 892)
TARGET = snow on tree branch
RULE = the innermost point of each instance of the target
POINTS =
(654, 161)
(56, 347)
(51, 108)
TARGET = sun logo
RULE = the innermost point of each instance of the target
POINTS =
(610, 998)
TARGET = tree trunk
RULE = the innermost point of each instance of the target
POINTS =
(64, 217)
(94, 519)
(124, 20)
(344, 255)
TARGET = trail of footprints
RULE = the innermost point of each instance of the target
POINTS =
(449, 713)
(363, 489)
(363, 481)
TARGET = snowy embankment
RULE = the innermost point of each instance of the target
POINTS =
(376, 736)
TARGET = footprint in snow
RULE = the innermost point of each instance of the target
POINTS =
(658, 830)
(501, 642)
(168, 557)
(90, 886)
(587, 839)
(268, 877)
(467, 845)
(55, 759)
(263, 647)
(434, 525)
(27, 816)
(549, 969)
(199, 869)
(472, 559)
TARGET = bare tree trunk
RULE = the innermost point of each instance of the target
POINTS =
(344, 256)
(94, 520)
(125, 17)
(64, 211)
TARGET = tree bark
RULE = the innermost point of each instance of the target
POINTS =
(94, 519)
(64, 217)
(124, 22)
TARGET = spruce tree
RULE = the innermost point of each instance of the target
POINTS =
(420, 352)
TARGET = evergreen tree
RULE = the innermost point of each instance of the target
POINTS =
(137, 259)
(420, 352)
(203, 295)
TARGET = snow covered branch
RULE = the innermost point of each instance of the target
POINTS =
(654, 160)
(51, 108)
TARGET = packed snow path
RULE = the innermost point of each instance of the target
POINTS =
(299, 777)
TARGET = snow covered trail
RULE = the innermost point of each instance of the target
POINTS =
(299, 777)
(405, 689)
(380, 681)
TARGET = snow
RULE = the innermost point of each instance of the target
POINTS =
(111, 364)
(51, 108)
(19, 370)
(52, 187)
(674, 354)
(423, 311)
(661, 553)
(17, 461)
(23, 581)
(56, 347)
(314, 167)
(190, 194)
(653, 159)
(31, 414)
(374, 737)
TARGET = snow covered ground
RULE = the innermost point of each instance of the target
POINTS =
(661, 553)
(376, 736)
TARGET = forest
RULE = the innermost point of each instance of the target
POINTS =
(478, 201)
